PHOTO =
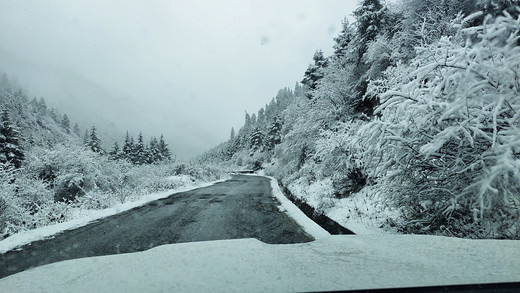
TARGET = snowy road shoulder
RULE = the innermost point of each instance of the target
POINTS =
(308, 225)
(337, 262)
(29, 236)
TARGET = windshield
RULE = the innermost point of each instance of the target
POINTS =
(259, 145)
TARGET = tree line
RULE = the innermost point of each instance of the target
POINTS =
(138, 153)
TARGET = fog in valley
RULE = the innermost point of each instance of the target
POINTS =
(185, 69)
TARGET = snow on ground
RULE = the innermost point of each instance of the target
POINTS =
(339, 262)
(294, 212)
(84, 217)
(363, 212)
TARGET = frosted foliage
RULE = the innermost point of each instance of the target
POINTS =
(336, 152)
(447, 142)
(24, 203)
(55, 184)
(336, 94)
(379, 57)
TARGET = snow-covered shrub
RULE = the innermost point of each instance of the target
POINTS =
(25, 203)
(353, 181)
(70, 170)
(447, 144)
(339, 159)
(54, 183)
(8, 203)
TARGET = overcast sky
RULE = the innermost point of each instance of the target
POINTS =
(187, 69)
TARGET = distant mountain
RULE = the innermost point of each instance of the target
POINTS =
(69, 92)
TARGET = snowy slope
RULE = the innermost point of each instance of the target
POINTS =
(248, 265)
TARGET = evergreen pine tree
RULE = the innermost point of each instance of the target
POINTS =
(65, 123)
(274, 134)
(54, 115)
(315, 72)
(128, 148)
(139, 151)
(232, 136)
(94, 143)
(115, 153)
(10, 150)
(248, 123)
(370, 18)
(147, 154)
(42, 107)
(260, 120)
(163, 149)
(256, 141)
(343, 43)
(76, 129)
(153, 151)
(298, 90)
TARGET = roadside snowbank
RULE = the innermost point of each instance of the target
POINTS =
(86, 216)
(294, 212)
(336, 262)
(364, 212)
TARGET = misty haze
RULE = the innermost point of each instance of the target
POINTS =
(259, 146)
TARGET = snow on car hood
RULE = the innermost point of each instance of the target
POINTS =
(331, 263)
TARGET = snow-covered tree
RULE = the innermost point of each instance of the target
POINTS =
(315, 72)
(93, 142)
(370, 19)
(76, 129)
(53, 113)
(42, 107)
(115, 153)
(154, 154)
(65, 123)
(448, 140)
(128, 147)
(260, 120)
(298, 90)
(496, 7)
(10, 149)
(344, 47)
(139, 151)
(164, 151)
(248, 122)
(256, 141)
(232, 135)
(274, 134)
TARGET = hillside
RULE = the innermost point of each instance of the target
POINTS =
(53, 171)
(411, 126)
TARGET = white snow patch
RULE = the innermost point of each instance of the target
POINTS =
(339, 262)
(87, 216)
(363, 212)
(294, 212)
(261, 172)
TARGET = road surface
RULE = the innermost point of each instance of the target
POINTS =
(241, 207)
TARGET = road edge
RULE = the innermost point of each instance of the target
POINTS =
(308, 225)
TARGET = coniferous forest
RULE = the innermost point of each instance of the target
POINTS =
(414, 121)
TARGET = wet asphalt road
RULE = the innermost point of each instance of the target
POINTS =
(241, 207)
